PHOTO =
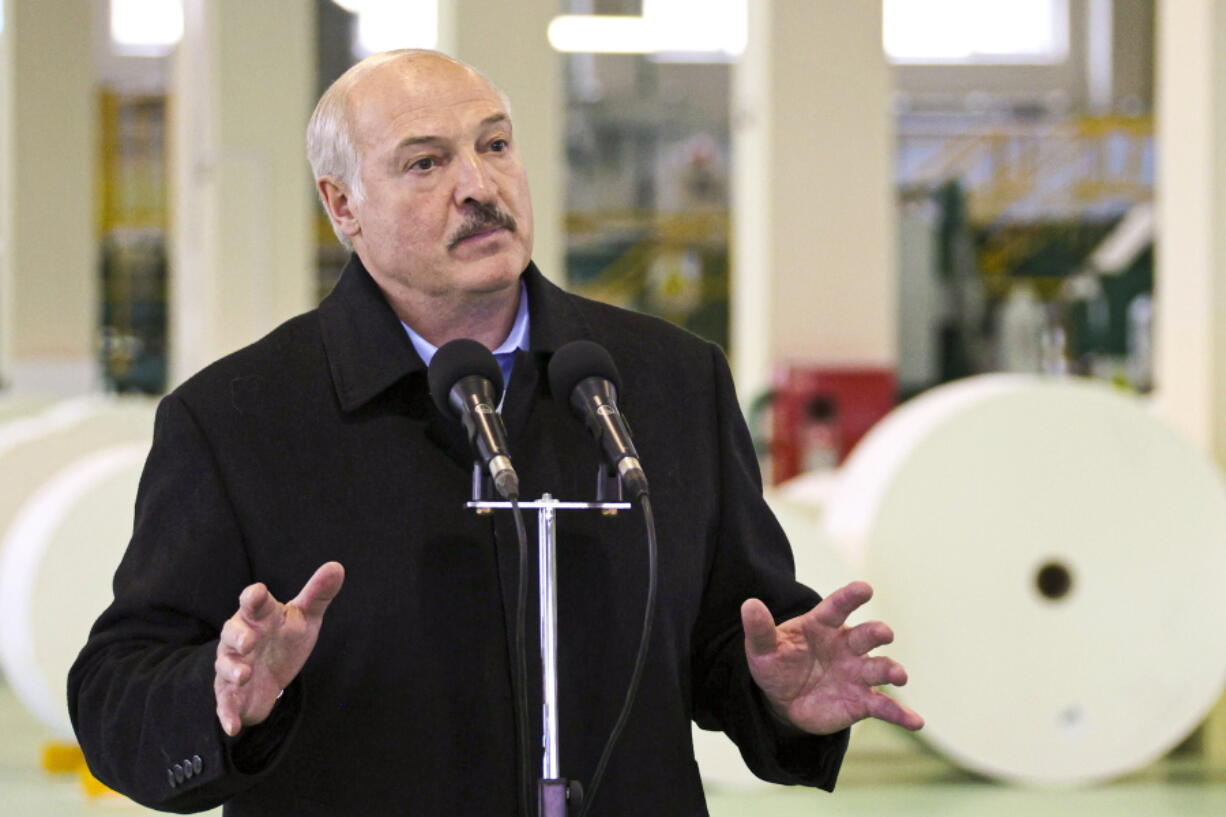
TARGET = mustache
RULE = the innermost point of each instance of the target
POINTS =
(481, 219)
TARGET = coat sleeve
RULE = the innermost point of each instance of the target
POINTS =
(752, 558)
(141, 691)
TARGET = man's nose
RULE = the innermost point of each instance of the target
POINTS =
(473, 180)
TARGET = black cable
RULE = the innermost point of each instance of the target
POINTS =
(521, 661)
(640, 660)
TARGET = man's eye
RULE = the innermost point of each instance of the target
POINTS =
(424, 163)
(499, 145)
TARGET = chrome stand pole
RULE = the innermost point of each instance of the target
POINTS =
(558, 797)
(547, 549)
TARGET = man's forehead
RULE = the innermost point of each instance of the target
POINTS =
(428, 92)
(427, 82)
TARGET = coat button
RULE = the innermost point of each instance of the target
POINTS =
(178, 767)
(170, 777)
(197, 764)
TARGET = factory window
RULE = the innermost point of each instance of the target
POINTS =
(972, 32)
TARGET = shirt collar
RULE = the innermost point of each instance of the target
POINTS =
(368, 350)
(517, 338)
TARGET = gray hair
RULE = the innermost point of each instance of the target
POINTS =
(330, 145)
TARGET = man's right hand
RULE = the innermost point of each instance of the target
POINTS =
(264, 645)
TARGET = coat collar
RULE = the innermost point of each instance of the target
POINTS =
(369, 351)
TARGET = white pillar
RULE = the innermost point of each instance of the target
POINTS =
(242, 200)
(1190, 280)
(48, 253)
(507, 43)
(1191, 195)
(813, 272)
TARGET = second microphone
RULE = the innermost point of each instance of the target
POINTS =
(583, 377)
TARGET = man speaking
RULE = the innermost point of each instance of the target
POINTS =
(308, 621)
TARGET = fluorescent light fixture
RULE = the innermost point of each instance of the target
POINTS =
(601, 34)
(666, 27)
(146, 28)
(387, 24)
(972, 31)
(699, 25)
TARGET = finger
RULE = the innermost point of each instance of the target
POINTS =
(237, 636)
(232, 670)
(835, 608)
(256, 604)
(867, 637)
(760, 635)
(885, 708)
(231, 723)
(227, 709)
(320, 589)
(881, 670)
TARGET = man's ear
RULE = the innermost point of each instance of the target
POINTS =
(336, 199)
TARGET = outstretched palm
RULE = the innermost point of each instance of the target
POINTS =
(816, 672)
(264, 645)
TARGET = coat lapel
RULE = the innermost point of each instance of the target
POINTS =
(367, 348)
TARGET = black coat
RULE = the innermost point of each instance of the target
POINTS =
(320, 442)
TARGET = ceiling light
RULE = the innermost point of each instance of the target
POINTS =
(146, 28)
(387, 24)
(666, 27)
(601, 34)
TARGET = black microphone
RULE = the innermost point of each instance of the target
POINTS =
(583, 377)
(466, 383)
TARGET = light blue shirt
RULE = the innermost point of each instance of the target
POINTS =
(517, 338)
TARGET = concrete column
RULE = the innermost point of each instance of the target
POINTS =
(506, 42)
(242, 239)
(1190, 283)
(1119, 34)
(1100, 56)
(1132, 32)
(48, 254)
(813, 275)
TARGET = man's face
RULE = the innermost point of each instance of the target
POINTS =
(446, 209)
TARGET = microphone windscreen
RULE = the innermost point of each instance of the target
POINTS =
(456, 360)
(577, 361)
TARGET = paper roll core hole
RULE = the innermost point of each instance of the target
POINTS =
(1054, 581)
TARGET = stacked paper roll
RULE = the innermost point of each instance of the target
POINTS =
(70, 475)
(1052, 558)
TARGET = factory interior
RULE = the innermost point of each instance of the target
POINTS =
(964, 257)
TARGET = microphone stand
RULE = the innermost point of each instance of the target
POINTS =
(557, 796)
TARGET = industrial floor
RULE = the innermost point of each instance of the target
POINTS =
(882, 777)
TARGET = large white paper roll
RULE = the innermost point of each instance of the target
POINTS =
(35, 445)
(68, 478)
(1052, 558)
(56, 563)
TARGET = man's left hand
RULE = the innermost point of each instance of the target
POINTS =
(816, 673)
